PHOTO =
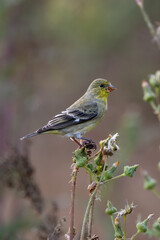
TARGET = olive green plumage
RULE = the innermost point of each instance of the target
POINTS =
(81, 116)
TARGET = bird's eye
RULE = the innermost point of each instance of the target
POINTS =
(102, 85)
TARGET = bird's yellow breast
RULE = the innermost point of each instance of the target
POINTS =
(102, 95)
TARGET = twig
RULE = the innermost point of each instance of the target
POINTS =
(71, 235)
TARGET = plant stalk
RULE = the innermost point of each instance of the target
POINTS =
(156, 192)
(91, 200)
(74, 178)
(150, 25)
(90, 220)
(125, 226)
(88, 210)
(135, 235)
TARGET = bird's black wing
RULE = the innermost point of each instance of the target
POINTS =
(71, 117)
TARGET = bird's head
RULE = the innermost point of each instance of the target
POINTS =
(100, 88)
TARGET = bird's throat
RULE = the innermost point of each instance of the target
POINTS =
(103, 96)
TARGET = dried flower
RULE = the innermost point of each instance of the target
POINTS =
(109, 145)
(127, 210)
(92, 187)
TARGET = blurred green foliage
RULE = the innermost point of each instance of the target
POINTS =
(13, 229)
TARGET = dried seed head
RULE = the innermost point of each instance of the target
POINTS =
(92, 187)
(109, 145)
(127, 210)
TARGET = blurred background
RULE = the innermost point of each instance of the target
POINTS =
(50, 51)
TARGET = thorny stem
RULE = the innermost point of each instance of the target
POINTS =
(74, 178)
(156, 192)
(90, 220)
(135, 235)
(125, 226)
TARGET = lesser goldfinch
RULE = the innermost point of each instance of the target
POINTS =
(81, 116)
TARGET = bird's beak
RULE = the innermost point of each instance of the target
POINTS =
(111, 88)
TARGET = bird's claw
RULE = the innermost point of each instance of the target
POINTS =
(89, 144)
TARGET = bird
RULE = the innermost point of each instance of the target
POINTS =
(82, 116)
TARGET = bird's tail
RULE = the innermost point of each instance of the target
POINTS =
(30, 135)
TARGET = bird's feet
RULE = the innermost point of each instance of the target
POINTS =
(88, 143)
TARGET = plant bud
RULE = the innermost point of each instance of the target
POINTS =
(129, 170)
(156, 225)
(154, 80)
(149, 182)
(91, 167)
(142, 226)
(148, 94)
(98, 159)
(108, 174)
(110, 208)
(99, 169)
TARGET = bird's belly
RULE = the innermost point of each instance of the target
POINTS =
(81, 129)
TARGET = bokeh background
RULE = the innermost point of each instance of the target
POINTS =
(50, 51)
